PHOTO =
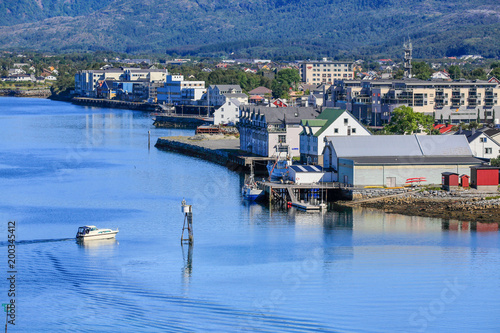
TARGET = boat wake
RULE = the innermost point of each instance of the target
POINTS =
(38, 241)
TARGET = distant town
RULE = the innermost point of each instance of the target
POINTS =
(300, 107)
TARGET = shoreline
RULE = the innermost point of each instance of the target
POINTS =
(475, 208)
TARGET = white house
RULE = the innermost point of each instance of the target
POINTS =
(332, 121)
(217, 94)
(228, 113)
(481, 144)
(441, 75)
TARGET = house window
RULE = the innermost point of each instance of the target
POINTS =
(488, 150)
(345, 121)
(282, 138)
(354, 130)
(482, 139)
(335, 130)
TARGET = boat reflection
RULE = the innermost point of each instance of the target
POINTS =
(96, 243)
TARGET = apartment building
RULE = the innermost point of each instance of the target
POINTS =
(87, 81)
(264, 131)
(317, 72)
(372, 102)
(179, 91)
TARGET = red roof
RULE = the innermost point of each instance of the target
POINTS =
(438, 126)
(445, 129)
(256, 97)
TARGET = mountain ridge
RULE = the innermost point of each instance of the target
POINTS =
(270, 28)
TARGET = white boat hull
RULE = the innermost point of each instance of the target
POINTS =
(99, 234)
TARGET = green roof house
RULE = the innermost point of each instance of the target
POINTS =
(332, 121)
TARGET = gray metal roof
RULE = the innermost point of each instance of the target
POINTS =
(400, 145)
(415, 160)
(442, 145)
(236, 95)
(292, 115)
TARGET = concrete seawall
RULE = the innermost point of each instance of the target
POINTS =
(114, 104)
(226, 154)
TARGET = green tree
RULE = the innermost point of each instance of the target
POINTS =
(289, 76)
(495, 161)
(406, 121)
(455, 72)
(478, 74)
(421, 70)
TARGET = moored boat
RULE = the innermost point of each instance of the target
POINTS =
(250, 190)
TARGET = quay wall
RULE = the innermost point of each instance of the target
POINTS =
(178, 122)
(218, 156)
(115, 104)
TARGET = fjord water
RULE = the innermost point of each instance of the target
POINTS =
(250, 269)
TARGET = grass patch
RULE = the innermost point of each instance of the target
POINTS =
(492, 198)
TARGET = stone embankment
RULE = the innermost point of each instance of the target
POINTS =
(25, 92)
(464, 206)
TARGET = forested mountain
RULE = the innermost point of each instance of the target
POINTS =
(257, 28)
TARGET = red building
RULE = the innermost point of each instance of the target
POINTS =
(449, 180)
(484, 178)
(464, 181)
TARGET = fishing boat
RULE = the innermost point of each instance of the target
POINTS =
(250, 191)
(92, 232)
(278, 169)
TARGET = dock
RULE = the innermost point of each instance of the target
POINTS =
(307, 197)
(221, 149)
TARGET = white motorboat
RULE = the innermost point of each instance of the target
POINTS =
(92, 232)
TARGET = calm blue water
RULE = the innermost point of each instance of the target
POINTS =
(63, 166)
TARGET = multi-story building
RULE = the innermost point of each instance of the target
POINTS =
(317, 72)
(264, 131)
(178, 91)
(218, 94)
(87, 81)
(331, 121)
(372, 102)
(228, 112)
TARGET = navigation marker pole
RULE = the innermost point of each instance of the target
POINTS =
(188, 222)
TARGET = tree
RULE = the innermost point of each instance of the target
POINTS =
(406, 121)
(455, 72)
(495, 161)
(421, 70)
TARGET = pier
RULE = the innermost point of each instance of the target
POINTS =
(221, 149)
(307, 197)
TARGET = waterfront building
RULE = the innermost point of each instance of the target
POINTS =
(176, 90)
(219, 93)
(391, 160)
(87, 81)
(267, 130)
(227, 113)
(317, 72)
(372, 102)
(331, 121)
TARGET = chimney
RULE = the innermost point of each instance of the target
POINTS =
(460, 129)
(473, 131)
